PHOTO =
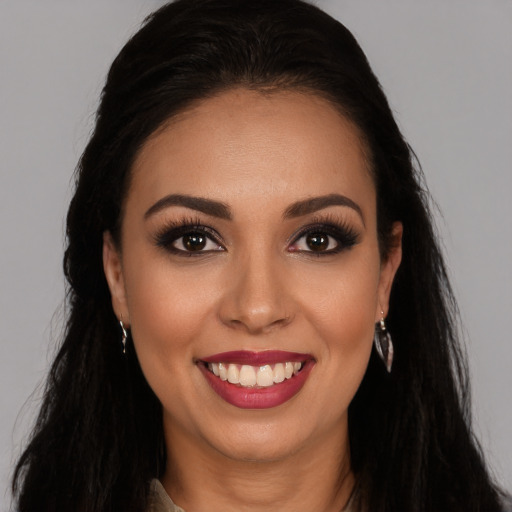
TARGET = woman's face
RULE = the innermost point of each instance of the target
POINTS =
(249, 249)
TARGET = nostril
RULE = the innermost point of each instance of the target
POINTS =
(256, 299)
(259, 322)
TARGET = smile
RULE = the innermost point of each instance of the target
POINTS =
(250, 376)
(256, 380)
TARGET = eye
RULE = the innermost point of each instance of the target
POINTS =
(195, 241)
(188, 238)
(316, 241)
(324, 239)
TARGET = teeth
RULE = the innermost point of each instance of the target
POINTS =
(223, 372)
(233, 374)
(265, 376)
(279, 373)
(250, 376)
(247, 375)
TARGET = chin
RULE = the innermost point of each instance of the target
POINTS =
(259, 442)
(258, 452)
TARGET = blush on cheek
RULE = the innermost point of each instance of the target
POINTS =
(167, 318)
(347, 322)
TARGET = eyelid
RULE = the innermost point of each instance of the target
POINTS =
(330, 239)
(345, 235)
(341, 231)
(210, 245)
(175, 229)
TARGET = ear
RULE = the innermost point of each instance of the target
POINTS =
(388, 269)
(114, 274)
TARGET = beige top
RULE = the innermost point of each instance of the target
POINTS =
(161, 502)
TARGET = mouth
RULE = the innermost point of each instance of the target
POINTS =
(256, 380)
(255, 376)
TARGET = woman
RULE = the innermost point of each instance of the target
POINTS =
(247, 224)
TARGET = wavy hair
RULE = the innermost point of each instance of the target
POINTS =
(98, 440)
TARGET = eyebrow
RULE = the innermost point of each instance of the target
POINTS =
(201, 204)
(318, 203)
(223, 211)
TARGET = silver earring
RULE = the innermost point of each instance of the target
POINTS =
(383, 343)
(124, 336)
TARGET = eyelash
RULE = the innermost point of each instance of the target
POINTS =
(174, 230)
(344, 235)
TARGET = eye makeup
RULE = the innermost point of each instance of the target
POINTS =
(188, 236)
(325, 235)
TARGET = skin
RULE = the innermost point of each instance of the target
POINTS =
(259, 289)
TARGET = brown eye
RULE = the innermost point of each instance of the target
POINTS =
(194, 241)
(317, 242)
(324, 240)
(189, 239)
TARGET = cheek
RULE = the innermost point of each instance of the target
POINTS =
(341, 308)
(168, 308)
(344, 300)
(168, 313)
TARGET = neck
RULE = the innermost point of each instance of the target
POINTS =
(316, 477)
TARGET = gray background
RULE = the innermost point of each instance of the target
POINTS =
(446, 67)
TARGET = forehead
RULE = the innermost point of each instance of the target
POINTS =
(246, 144)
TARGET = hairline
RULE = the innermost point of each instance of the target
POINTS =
(266, 90)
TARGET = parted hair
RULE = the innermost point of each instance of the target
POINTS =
(98, 439)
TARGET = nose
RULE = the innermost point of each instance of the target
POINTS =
(256, 298)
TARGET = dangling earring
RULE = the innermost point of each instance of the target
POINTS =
(124, 336)
(383, 343)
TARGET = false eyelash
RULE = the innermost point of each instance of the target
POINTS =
(174, 229)
(341, 231)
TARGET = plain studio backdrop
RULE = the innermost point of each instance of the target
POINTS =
(446, 66)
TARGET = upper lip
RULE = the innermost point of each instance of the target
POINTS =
(257, 358)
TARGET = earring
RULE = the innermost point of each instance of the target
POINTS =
(383, 343)
(124, 336)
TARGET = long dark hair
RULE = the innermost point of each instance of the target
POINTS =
(98, 440)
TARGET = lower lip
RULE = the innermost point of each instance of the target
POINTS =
(258, 398)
